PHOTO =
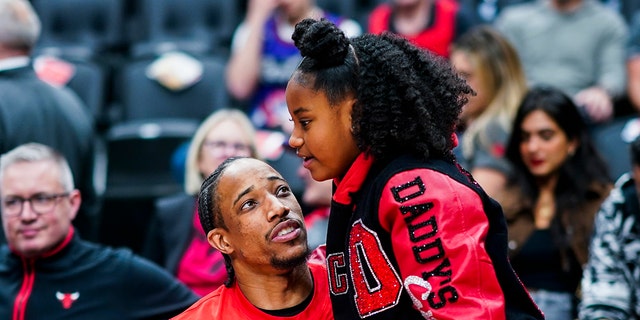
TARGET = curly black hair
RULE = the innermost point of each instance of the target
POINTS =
(407, 99)
(209, 209)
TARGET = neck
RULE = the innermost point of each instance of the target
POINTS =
(6, 52)
(275, 291)
(548, 183)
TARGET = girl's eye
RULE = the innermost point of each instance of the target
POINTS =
(248, 205)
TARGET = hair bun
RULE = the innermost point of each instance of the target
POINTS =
(322, 41)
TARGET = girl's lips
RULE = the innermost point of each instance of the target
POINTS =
(306, 161)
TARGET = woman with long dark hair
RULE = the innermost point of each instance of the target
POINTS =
(558, 183)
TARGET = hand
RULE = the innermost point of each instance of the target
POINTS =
(261, 10)
(596, 102)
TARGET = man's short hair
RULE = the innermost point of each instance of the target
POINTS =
(19, 25)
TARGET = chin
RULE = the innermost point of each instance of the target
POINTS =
(293, 259)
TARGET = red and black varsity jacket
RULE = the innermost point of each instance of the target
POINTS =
(415, 239)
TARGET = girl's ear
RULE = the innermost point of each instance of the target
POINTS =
(346, 109)
(218, 238)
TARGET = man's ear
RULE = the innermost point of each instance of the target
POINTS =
(75, 200)
(218, 238)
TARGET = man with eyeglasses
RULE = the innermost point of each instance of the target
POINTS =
(48, 272)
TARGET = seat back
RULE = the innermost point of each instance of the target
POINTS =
(194, 26)
(79, 28)
(140, 97)
(612, 140)
(139, 157)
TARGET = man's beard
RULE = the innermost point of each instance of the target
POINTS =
(291, 262)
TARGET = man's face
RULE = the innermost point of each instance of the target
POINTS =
(30, 232)
(265, 227)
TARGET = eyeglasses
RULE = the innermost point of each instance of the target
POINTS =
(223, 145)
(40, 203)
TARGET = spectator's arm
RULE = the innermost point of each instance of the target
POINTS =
(243, 68)
(633, 85)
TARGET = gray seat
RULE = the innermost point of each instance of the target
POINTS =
(194, 26)
(138, 157)
(79, 28)
(613, 145)
(138, 97)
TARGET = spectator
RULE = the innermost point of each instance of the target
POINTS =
(428, 24)
(250, 215)
(610, 283)
(574, 45)
(558, 183)
(263, 57)
(34, 111)
(175, 239)
(377, 115)
(633, 62)
(48, 272)
(492, 68)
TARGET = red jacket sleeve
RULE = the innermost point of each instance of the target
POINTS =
(438, 229)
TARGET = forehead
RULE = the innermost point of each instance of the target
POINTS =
(246, 173)
(537, 120)
(227, 130)
(37, 176)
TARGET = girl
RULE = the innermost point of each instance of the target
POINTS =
(410, 233)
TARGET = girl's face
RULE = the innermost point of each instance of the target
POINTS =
(321, 133)
(544, 146)
(468, 70)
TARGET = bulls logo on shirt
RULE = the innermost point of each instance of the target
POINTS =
(67, 299)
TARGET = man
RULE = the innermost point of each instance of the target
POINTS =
(250, 215)
(611, 279)
(34, 111)
(574, 45)
(48, 272)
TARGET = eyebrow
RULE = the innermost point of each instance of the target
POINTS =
(300, 110)
(247, 190)
(274, 178)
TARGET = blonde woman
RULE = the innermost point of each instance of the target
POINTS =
(492, 68)
(175, 239)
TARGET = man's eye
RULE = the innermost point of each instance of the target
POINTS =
(248, 205)
(42, 199)
(283, 191)
(11, 202)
